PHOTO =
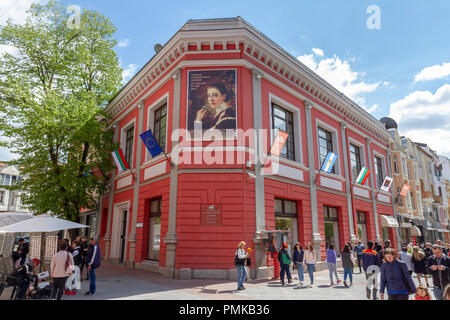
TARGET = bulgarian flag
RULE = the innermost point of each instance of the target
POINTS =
(119, 159)
(363, 175)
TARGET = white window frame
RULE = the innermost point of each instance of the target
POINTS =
(123, 138)
(150, 119)
(335, 139)
(273, 99)
(2, 196)
(383, 167)
(362, 153)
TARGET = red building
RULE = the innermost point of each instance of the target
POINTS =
(187, 220)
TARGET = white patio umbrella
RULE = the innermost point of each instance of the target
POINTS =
(7, 218)
(42, 223)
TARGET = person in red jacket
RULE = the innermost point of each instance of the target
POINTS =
(422, 293)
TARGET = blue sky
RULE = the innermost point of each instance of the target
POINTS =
(383, 70)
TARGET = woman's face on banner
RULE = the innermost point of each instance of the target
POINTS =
(215, 98)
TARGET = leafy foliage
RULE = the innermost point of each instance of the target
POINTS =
(53, 90)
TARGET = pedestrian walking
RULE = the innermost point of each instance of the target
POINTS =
(428, 252)
(93, 261)
(73, 283)
(347, 264)
(310, 262)
(359, 249)
(285, 262)
(370, 259)
(84, 246)
(387, 245)
(377, 247)
(61, 267)
(406, 257)
(297, 259)
(20, 255)
(418, 260)
(395, 277)
(439, 266)
(422, 293)
(331, 262)
(444, 250)
(239, 261)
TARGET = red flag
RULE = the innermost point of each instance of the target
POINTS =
(279, 142)
(405, 190)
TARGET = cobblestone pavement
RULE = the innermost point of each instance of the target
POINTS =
(119, 283)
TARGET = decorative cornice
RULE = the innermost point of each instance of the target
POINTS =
(236, 35)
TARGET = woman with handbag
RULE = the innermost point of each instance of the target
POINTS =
(309, 262)
(61, 267)
(240, 257)
(395, 277)
(285, 261)
(347, 263)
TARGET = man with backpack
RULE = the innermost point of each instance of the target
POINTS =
(285, 261)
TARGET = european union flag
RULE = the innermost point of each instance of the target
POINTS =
(150, 142)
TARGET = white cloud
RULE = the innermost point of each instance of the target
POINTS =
(339, 73)
(128, 72)
(433, 72)
(14, 10)
(124, 43)
(317, 51)
(425, 117)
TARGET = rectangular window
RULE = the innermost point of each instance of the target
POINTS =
(284, 120)
(325, 145)
(159, 126)
(5, 179)
(395, 164)
(378, 171)
(413, 201)
(400, 198)
(129, 144)
(285, 208)
(154, 230)
(286, 219)
(355, 160)
(2, 196)
(408, 172)
(361, 217)
(330, 215)
(12, 198)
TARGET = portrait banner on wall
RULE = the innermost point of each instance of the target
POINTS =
(211, 99)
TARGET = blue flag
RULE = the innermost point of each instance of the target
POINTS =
(151, 144)
(329, 162)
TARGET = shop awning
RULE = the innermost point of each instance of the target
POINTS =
(387, 221)
(415, 232)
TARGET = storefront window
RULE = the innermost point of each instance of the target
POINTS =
(331, 227)
(286, 219)
(154, 230)
(362, 228)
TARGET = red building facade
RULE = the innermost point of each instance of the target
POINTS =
(186, 220)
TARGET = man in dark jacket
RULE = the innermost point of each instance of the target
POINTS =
(84, 247)
(359, 249)
(439, 266)
(395, 277)
(22, 250)
(285, 260)
(93, 261)
(369, 258)
(428, 252)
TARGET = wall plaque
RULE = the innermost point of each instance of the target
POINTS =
(211, 215)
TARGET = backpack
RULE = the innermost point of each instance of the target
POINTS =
(285, 259)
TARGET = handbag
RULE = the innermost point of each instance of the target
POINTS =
(249, 262)
(352, 257)
(237, 261)
(69, 267)
(285, 259)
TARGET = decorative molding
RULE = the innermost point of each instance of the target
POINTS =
(235, 35)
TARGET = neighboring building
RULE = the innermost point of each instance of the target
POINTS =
(433, 194)
(405, 171)
(10, 200)
(187, 221)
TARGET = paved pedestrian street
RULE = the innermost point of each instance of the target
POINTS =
(119, 283)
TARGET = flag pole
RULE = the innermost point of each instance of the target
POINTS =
(320, 170)
(170, 162)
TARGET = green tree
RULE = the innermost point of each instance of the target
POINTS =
(53, 91)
